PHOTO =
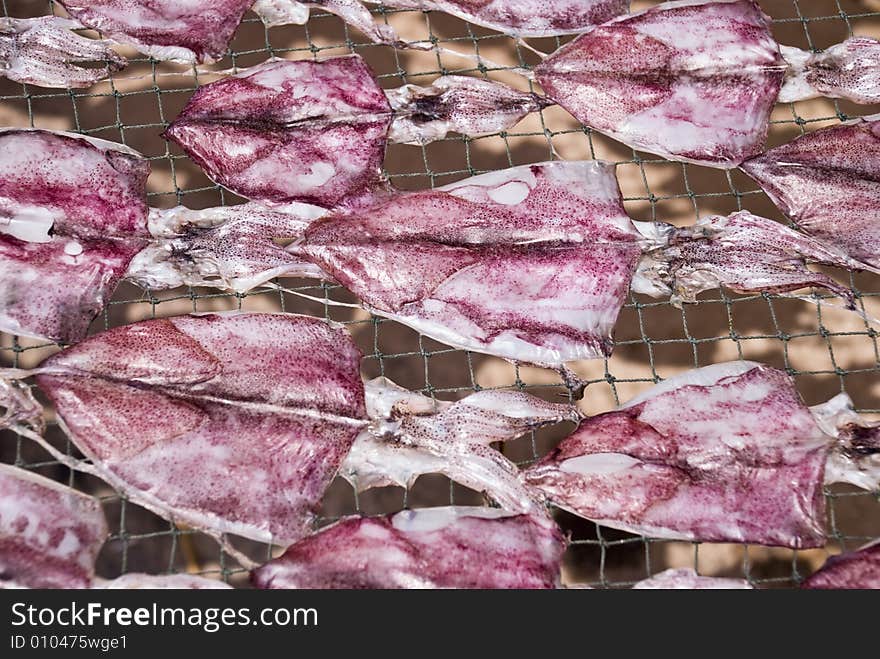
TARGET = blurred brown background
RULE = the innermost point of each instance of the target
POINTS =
(828, 349)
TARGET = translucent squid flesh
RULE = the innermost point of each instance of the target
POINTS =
(230, 423)
(232, 247)
(451, 547)
(48, 53)
(411, 435)
(742, 252)
(856, 569)
(696, 81)
(353, 12)
(530, 263)
(50, 534)
(828, 183)
(725, 453)
(457, 104)
(534, 263)
(691, 81)
(238, 247)
(73, 213)
(188, 31)
(315, 132)
(311, 132)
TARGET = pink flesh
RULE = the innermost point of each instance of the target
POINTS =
(530, 263)
(50, 535)
(691, 81)
(727, 453)
(92, 195)
(135, 581)
(849, 70)
(856, 569)
(453, 547)
(413, 435)
(233, 247)
(459, 104)
(524, 18)
(229, 423)
(828, 183)
(685, 579)
(282, 131)
(182, 30)
(746, 253)
(47, 52)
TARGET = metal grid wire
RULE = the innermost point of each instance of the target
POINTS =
(825, 349)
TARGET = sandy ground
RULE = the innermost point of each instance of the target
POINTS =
(654, 340)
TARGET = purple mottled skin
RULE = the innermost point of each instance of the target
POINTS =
(452, 547)
(828, 183)
(50, 535)
(531, 263)
(852, 570)
(524, 18)
(745, 253)
(182, 30)
(282, 131)
(72, 215)
(411, 435)
(229, 423)
(741, 459)
(692, 81)
(47, 52)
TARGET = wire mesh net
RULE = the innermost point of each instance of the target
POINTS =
(825, 348)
